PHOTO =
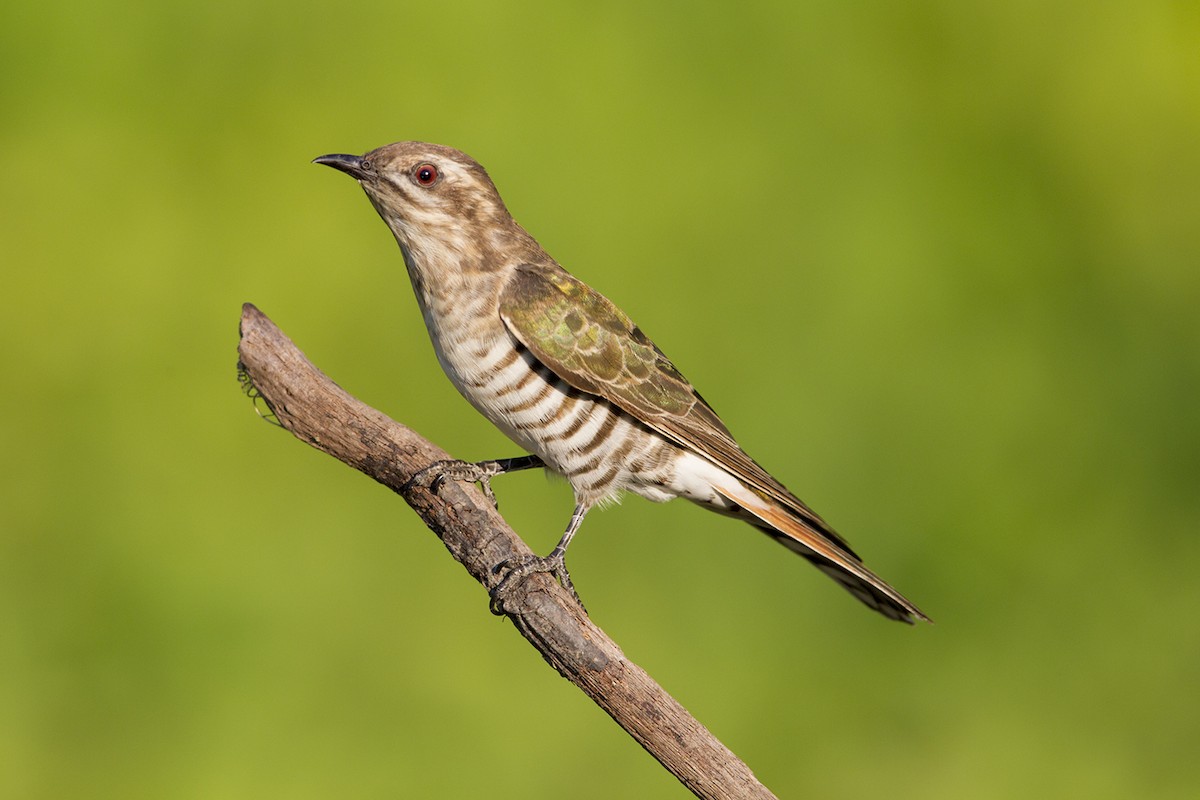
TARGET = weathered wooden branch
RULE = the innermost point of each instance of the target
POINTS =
(319, 412)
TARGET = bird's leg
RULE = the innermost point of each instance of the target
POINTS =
(480, 472)
(555, 564)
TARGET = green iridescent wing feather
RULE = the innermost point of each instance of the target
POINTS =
(593, 346)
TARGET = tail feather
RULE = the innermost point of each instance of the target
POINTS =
(824, 553)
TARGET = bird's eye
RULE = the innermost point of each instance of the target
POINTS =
(426, 175)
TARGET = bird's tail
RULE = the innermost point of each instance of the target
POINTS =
(824, 550)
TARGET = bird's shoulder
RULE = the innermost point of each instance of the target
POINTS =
(589, 342)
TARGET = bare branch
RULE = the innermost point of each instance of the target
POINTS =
(319, 412)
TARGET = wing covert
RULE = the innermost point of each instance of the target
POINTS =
(595, 347)
(592, 345)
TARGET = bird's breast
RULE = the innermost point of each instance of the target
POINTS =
(600, 449)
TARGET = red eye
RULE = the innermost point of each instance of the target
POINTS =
(426, 175)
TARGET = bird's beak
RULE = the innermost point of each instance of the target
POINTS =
(351, 165)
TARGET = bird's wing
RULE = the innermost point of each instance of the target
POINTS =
(592, 345)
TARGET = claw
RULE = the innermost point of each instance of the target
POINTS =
(437, 473)
(520, 569)
(517, 569)
(482, 473)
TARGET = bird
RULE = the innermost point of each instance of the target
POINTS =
(567, 375)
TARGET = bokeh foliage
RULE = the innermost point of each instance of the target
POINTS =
(936, 263)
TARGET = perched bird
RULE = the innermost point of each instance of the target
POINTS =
(566, 374)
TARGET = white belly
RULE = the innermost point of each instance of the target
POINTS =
(599, 449)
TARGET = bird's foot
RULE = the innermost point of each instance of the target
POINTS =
(480, 472)
(520, 569)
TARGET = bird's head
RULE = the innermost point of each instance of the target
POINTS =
(440, 204)
(416, 185)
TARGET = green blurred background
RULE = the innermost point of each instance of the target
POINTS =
(936, 263)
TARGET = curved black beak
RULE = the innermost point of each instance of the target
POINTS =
(351, 165)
